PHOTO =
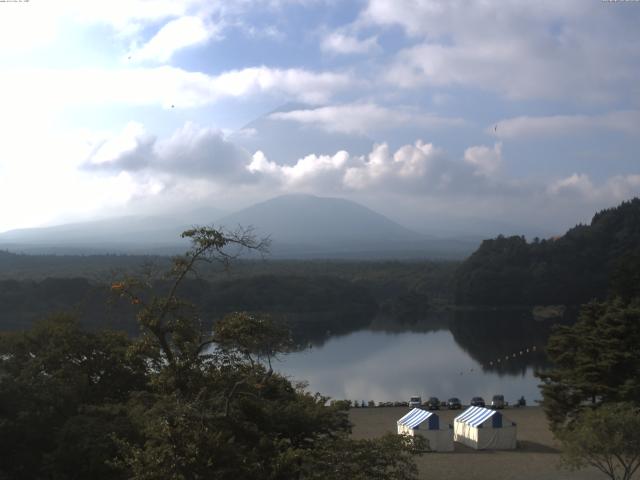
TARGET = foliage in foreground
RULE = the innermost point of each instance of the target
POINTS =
(180, 402)
(607, 438)
(592, 395)
(596, 360)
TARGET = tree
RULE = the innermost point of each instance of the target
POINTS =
(607, 438)
(595, 361)
(216, 408)
(61, 391)
(185, 400)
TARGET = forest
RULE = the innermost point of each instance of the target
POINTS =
(586, 263)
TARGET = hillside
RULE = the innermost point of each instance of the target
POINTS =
(127, 234)
(588, 262)
(300, 227)
(306, 226)
(307, 219)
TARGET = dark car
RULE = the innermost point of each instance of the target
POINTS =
(454, 403)
(477, 402)
(497, 402)
(433, 403)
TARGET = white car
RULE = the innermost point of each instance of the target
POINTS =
(415, 402)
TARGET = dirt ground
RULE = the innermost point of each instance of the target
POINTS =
(537, 456)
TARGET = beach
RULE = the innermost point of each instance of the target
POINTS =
(537, 456)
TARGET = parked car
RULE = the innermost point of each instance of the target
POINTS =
(497, 402)
(454, 403)
(415, 402)
(433, 403)
(477, 402)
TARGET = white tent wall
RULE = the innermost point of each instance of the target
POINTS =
(416, 422)
(485, 438)
(481, 429)
(439, 440)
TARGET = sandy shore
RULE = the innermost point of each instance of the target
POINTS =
(537, 456)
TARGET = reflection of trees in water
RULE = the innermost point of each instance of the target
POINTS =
(485, 335)
(318, 328)
(432, 322)
(492, 335)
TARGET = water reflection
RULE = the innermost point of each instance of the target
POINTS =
(443, 356)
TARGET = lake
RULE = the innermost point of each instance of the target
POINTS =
(459, 356)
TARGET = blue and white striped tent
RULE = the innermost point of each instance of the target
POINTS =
(482, 428)
(475, 416)
(417, 417)
(427, 424)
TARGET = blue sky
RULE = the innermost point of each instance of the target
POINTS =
(432, 112)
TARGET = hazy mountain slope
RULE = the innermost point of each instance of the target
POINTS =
(319, 220)
(111, 235)
(306, 226)
(300, 226)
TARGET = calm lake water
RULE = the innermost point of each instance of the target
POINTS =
(458, 359)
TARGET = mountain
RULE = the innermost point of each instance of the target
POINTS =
(306, 226)
(128, 234)
(300, 226)
(587, 262)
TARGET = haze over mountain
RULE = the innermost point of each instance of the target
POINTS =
(308, 226)
(300, 226)
(126, 234)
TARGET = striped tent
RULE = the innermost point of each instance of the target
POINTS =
(427, 424)
(481, 428)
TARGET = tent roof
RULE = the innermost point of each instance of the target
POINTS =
(414, 418)
(475, 416)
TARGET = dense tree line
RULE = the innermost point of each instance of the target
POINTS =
(591, 395)
(181, 401)
(580, 266)
(310, 301)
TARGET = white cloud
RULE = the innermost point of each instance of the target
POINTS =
(561, 125)
(340, 43)
(613, 190)
(363, 118)
(163, 85)
(42, 183)
(545, 49)
(576, 183)
(408, 167)
(111, 150)
(302, 84)
(485, 160)
(22, 29)
(190, 152)
(128, 17)
(175, 35)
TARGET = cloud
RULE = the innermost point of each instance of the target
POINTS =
(200, 153)
(485, 160)
(198, 164)
(579, 186)
(166, 86)
(190, 152)
(417, 167)
(342, 44)
(574, 184)
(129, 17)
(550, 50)
(175, 35)
(362, 118)
(561, 125)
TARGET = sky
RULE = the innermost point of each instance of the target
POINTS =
(440, 114)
